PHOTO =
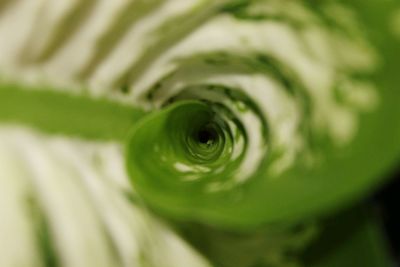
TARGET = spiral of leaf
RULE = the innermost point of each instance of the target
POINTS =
(239, 92)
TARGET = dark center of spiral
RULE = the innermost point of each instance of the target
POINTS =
(206, 136)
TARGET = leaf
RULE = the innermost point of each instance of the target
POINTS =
(260, 114)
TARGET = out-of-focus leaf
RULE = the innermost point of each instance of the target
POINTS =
(353, 238)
